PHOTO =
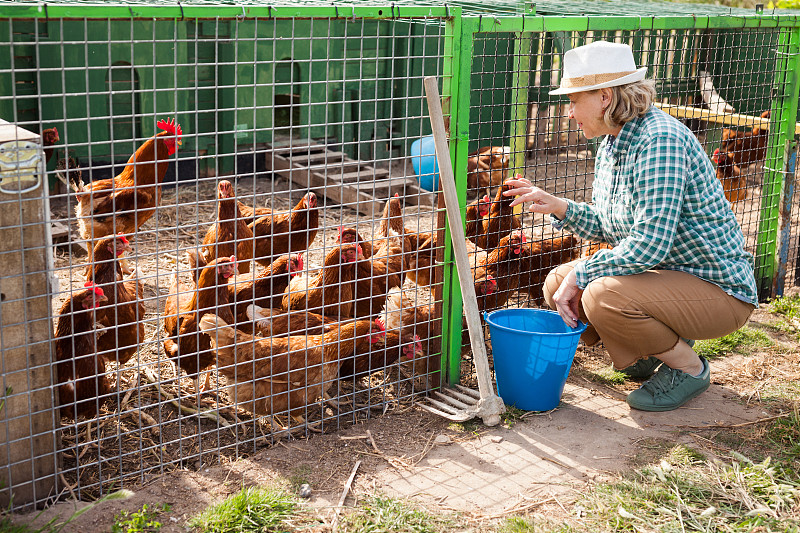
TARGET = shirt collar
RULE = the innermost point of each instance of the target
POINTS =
(622, 141)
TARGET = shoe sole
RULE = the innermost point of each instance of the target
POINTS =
(662, 408)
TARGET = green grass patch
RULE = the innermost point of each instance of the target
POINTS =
(6, 526)
(512, 416)
(388, 515)
(474, 426)
(253, 509)
(784, 434)
(518, 524)
(608, 376)
(684, 456)
(686, 492)
(787, 309)
(529, 524)
(746, 337)
(141, 521)
(780, 392)
(788, 306)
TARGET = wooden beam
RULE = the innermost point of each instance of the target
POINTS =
(728, 119)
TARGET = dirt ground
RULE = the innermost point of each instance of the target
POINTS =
(538, 463)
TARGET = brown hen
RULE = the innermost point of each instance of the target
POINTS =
(746, 147)
(733, 183)
(282, 375)
(487, 166)
(266, 289)
(500, 221)
(82, 384)
(124, 311)
(539, 258)
(331, 291)
(280, 233)
(183, 309)
(125, 202)
(229, 235)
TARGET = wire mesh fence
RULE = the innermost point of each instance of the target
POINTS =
(219, 176)
(239, 238)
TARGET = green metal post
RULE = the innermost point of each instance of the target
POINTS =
(784, 109)
(226, 54)
(519, 101)
(458, 49)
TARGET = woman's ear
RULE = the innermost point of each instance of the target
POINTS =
(605, 98)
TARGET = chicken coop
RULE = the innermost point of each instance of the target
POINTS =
(220, 230)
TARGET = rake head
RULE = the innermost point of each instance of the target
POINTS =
(461, 404)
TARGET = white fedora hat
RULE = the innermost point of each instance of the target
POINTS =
(598, 65)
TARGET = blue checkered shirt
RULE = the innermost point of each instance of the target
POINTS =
(657, 201)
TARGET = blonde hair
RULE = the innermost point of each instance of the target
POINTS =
(629, 101)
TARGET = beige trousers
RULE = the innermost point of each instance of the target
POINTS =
(646, 314)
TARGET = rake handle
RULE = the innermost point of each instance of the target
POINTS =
(460, 247)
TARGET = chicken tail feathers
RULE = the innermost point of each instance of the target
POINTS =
(254, 312)
(69, 173)
(196, 264)
(220, 332)
(393, 309)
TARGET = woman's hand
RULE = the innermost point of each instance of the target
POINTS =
(541, 202)
(567, 299)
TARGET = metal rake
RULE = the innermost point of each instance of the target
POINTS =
(460, 403)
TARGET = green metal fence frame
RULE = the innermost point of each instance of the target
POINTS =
(777, 178)
(460, 34)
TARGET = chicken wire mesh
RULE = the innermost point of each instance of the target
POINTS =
(310, 126)
(212, 176)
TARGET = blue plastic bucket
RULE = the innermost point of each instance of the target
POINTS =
(533, 351)
(423, 159)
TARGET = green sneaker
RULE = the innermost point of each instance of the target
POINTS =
(643, 368)
(668, 389)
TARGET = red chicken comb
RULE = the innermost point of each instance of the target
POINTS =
(97, 290)
(300, 261)
(714, 157)
(232, 259)
(170, 126)
(397, 195)
(379, 322)
(123, 238)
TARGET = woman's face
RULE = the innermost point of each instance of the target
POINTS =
(587, 108)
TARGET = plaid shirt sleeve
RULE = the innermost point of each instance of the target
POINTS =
(588, 228)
